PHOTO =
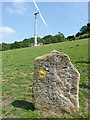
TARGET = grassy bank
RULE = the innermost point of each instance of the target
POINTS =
(17, 79)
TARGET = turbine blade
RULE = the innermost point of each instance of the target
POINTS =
(36, 6)
(39, 12)
(43, 19)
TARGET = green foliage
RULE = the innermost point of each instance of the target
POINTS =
(30, 42)
(70, 38)
(84, 32)
(82, 36)
(88, 29)
(0, 47)
(5, 46)
(78, 34)
(47, 39)
(53, 39)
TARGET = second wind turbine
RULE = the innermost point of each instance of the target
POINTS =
(35, 35)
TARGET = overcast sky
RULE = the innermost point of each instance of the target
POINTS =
(64, 17)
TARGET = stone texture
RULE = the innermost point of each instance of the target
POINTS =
(56, 83)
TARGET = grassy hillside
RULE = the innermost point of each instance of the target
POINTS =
(17, 78)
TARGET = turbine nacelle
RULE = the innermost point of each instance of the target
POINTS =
(36, 13)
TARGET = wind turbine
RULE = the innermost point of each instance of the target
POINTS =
(38, 12)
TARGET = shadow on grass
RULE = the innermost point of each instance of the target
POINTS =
(83, 62)
(23, 104)
(84, 86)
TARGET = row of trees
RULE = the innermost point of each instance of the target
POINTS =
(83, 33)
(30, 42)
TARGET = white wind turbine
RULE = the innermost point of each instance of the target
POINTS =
(38, 12)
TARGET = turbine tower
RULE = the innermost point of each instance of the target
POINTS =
(35, 34)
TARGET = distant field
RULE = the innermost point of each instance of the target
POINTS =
(17, 79)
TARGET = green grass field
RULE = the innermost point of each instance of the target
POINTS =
(17, 79)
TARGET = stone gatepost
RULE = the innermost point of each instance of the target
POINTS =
(55, 83)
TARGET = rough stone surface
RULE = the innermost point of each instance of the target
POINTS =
(56, 83)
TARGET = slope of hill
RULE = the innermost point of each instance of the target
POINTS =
(17, 79)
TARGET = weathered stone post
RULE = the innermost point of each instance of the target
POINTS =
(56, 83)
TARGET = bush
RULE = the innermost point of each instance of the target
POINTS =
(82, 36)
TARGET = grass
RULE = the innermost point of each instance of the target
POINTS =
(17, 79)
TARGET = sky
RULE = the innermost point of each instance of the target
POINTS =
(18, 19)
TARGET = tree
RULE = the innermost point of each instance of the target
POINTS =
(78, 34)
(83, 30)
(5, 46)
(61, 35)
(17, 44)
(47, 39)
(39, 40)
(88, 29)
(0, 47)
(71, 38)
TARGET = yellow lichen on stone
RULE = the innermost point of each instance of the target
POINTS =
(42, 73)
